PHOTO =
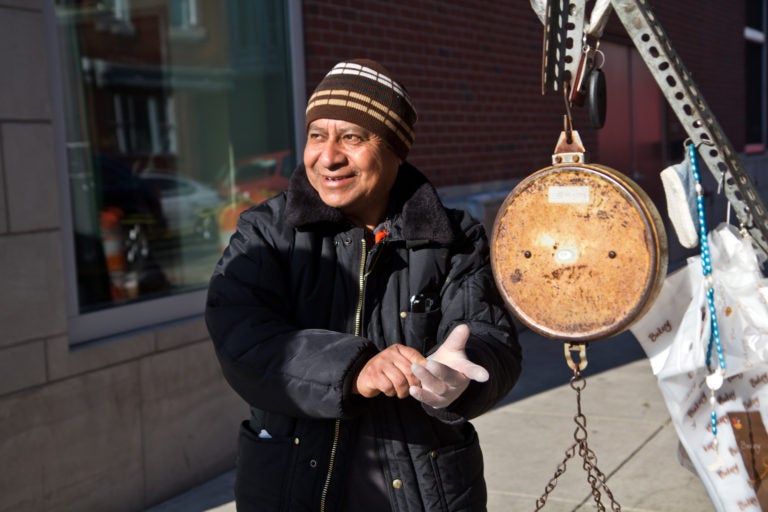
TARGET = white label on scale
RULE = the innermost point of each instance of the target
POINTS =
(569, 195)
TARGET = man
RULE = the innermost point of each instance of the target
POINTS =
(359, 319)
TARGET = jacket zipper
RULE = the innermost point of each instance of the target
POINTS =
(358, 328)
(361, 289)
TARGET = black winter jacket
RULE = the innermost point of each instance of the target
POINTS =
(297, 305)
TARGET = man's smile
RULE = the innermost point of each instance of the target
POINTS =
(336, 177)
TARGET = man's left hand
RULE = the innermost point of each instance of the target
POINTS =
(447, 372)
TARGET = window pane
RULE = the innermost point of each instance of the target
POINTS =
(169, 136)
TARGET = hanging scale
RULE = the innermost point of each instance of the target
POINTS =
(578, 252)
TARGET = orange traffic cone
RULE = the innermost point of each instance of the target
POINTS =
(113, 242)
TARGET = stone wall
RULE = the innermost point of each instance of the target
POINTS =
(115, 425)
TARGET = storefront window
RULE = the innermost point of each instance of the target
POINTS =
(177, 115)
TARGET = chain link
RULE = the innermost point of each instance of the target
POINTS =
(595, 478)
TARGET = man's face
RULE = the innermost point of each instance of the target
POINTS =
(351, 168)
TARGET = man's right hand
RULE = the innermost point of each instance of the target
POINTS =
(389, 372)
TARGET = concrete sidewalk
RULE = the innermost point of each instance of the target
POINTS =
(525, 438)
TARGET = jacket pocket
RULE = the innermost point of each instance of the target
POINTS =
(458, 471)
(420, 330)
(264, 468)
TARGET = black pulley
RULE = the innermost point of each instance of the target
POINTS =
(596, 98)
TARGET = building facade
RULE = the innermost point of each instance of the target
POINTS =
(132, 133)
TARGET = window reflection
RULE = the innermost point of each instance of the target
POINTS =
(178, 116)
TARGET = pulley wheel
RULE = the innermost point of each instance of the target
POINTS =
(596, 98)
(578, 252)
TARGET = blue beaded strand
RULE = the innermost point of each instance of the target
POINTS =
(706, 267)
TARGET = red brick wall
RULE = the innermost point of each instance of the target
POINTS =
(473, 70)
(709, 37)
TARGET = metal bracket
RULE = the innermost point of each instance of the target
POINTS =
(563, 33)
(564, 28)
(694, 114)
(569, 152)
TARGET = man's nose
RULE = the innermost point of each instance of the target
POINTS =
(331, 155)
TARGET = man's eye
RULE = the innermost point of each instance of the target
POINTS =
(353, 139)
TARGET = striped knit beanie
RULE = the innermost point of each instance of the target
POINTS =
(363, 92)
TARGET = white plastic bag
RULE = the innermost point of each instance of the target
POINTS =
(675, 334)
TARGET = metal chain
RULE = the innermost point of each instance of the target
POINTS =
(595, 477)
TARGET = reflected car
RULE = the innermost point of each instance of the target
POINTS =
(256, 178)
(189, 206)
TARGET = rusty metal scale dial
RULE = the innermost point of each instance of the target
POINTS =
(578, 250)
